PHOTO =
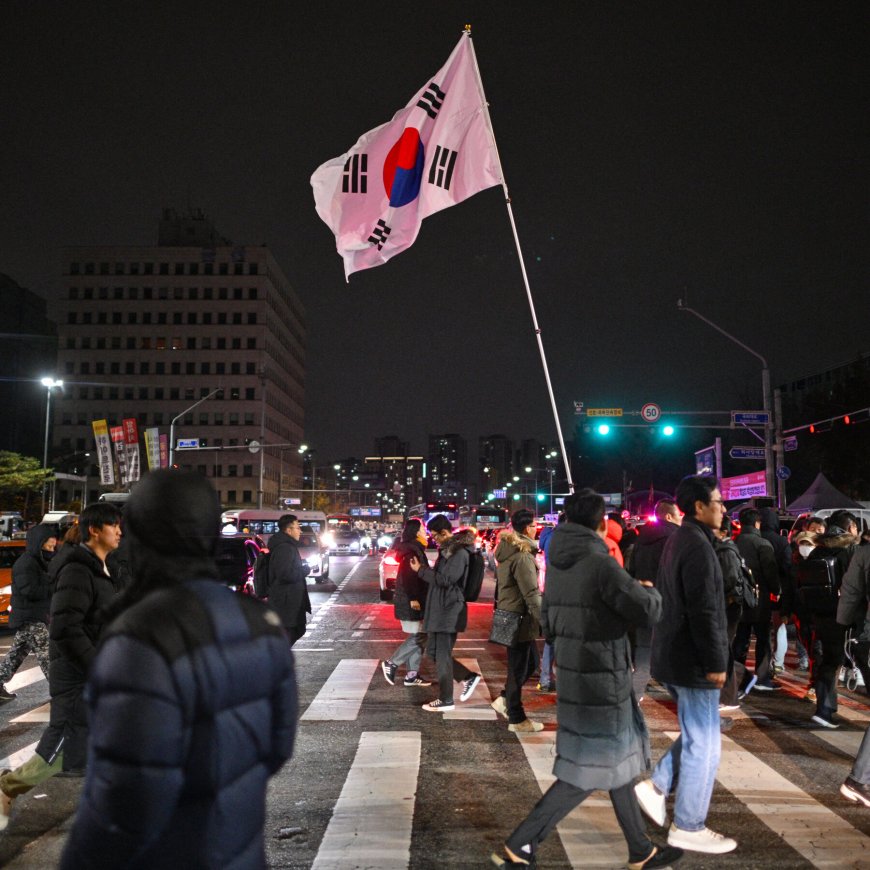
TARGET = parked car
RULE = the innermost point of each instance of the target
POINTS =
(316, 555)
(9, 552)
(388, 568)
(235, 558)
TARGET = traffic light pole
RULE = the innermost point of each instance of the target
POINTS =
(769, 463)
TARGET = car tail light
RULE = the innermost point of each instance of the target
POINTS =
(390, 559)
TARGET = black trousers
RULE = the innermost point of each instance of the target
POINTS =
(560, 799)
(735, 670)
(520, 666)
(441, 649)
(761, 626)
(641, 655)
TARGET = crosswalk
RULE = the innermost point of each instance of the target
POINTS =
(372, 819)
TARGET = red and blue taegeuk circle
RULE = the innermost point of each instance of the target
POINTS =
(403, 168)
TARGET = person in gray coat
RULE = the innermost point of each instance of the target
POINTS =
(589, 607)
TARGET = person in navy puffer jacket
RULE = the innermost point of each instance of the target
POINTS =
(192, 701)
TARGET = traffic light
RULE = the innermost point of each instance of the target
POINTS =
(668, 430)
(541, 496)
(602, 429)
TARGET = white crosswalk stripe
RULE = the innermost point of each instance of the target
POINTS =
(372, 822)
(27, 677)
(477, 706)
(341, 696)
(37, 714)
(15, 759)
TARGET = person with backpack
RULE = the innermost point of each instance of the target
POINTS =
(446, 611)
(819, 578)
(287, 573)
(517, 591)
(408, 605)
(734, 580)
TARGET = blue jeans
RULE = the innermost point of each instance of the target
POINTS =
(547, 665)
(693, 758)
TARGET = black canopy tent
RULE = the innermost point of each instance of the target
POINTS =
(821, 494)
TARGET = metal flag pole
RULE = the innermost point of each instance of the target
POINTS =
(537, 328)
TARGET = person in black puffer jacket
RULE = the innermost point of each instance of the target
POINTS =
(409, 601)
(192, 701)
(31, 599)
(83, 590)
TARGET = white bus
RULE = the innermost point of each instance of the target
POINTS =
(244, 521)
(482, 516)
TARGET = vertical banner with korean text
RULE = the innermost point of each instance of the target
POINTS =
(164, 451)
(104, 452)
(131, 438)
(152, 447)
(117, 433)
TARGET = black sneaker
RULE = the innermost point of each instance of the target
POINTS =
(389, 670)
(661, 857)
(856, 791)
(6, 696)
(767, 686)
(468, 686)
(825, 721)
(416, 680)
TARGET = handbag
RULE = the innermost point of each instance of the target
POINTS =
(505, 629)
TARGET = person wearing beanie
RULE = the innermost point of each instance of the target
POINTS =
(409, 601)
(192, 700)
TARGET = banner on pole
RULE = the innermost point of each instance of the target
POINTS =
(436, 152)
(164, 451)
(117, 435)
(131, 438)
(104, 452)
(152, 447)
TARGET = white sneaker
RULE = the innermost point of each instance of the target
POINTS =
(704, 840)
(651, 801)
(500, 706)
(438, 706)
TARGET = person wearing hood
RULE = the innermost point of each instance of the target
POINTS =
(446, 611)
(83, 591)
(517, 591)
(602, 740)
(31, 599)
(192, 700)
(645, 558)
(836, 548)
(409, 600)
(288, 573)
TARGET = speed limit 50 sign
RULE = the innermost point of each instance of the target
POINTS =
(650, 412)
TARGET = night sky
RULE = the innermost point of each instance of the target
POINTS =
(652, 151)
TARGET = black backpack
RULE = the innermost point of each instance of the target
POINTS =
(474, 577)
(818, 582)
(261, 574)
(748, 587)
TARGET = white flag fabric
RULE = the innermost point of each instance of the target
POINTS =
(436, 152)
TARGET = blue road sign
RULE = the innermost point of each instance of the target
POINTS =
(783, 472)
(750, 418)
(746, 453)
(499, 493)
(187, 444)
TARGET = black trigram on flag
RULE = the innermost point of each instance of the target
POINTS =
(379, 234)
(431, 100)
(441, 170)
(354, 178)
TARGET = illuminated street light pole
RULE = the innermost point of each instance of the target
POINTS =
(769, 464)
(49, 384)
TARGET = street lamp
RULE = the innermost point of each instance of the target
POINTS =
(49, 384)
(304, 451)
(769, 476)
(179, 416)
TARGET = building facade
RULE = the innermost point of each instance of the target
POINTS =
(448, 468)
(149, 332)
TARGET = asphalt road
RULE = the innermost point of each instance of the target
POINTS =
(376, 782)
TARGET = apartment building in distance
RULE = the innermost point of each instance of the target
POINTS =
(148, 331)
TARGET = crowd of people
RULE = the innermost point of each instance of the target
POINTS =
(180, 671)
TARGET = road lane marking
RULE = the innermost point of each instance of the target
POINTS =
(372, 821)
(341, 696)
(299, 649)
(590, 834)
(477, 706)
(16, 759)
(37, 714)
(807, 826)
(846, 741)
(25, 678)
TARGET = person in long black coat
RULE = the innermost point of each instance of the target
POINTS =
(602, 743)
(288, 585)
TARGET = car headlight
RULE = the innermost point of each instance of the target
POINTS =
(384, 541)
(354, 545)
(313, 561)
(328, 539)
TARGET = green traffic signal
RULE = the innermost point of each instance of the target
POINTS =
(603, 429)
(668, 430)
(541, 496)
